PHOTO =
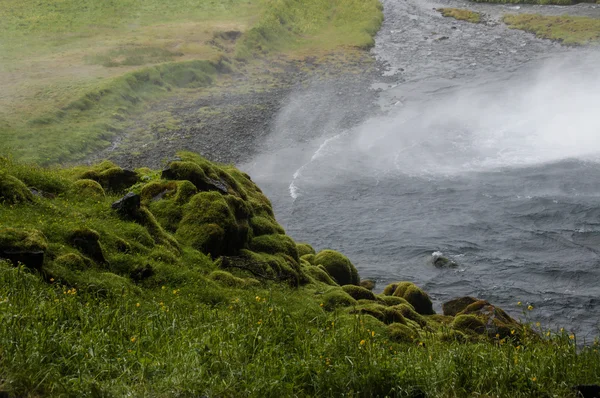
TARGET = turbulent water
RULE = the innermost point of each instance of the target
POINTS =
(487, 150)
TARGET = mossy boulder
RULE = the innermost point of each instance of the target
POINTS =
(497, 322)
(227, 279)
(157, 190)
(111, 177)
(368, 284)
(88, 188)
(193, 172)
(87, 241)
(338, 266)
(336, 298)
(13, 190)
(273, 244)
(401, 333)
(25, 246)
(319, 274)
(453, 307)
(209, 225)
(381, 312)
(392, 300)
(310, 258)
(408, 312)
(265, 225)
(413, 294)
(304, 249)
(469, 323)
(359, 293)
(278, 267)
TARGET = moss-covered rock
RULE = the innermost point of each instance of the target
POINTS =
(453, 307)
(359, 293)
(25, 246)
(392, 300)
(88, 188)
(408, 312)
(157, 190)
(381, 312)
(209, 225)
(304, 249)
(319, 274)
(338, 266)
(274, 244)
(264, 225)
(310, 258)
(368, 284)
(87, 241)
(278, 267)
(193, 172)
(401, 333)
(336, 298)
(497, 322)
(413, 294)
(13, 190)
(469, 323)
(227, 279)
(111, 177)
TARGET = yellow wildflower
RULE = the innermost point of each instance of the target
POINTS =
(534, 379)
(362, 342)
(530, 307)
(538, 324)
(137, 304)
(133, 339)
(321, 304)
(373, 333)
(519, 303)
(512, 331)
(572, 337)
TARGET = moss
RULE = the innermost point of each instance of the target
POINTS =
(461, 14)
(155, 188)
(401, 333)
(497, 321)
(408, 312)
(452, 335)
(88, 188)
(368, 284)
(392, 300)
(390, 289)
(359, 293)
(419, 300)
(304, 249)
(262, 225)
(71, 261)
(411, 293)
(22, 239)
(227, 279)
(13, 190)
(381, 312)
(209, 225)
(185, 191)
(163, 255)
(468, 323)
(111, 177)
(274, 244)
(320, 275)
(278, 267)
(338, 266)
(336, 298)
(310, 258)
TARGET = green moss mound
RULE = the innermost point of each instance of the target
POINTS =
(22, 239)
(310, 258)
(227, 279)
(359, 293)
(274, 244)
(338, 266)
(13, 190)
(401, 333)
(413, 294)
(469, 323)
(320, 275)
(380, 312)
(455, 306)
(305, 249)
(337, 298)
(71, 261)
(392, 300)
(88, 188)
(408, 312)
(111, 177)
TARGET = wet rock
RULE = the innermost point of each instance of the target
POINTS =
(497, 322)
(23, 246)
(587, 390)
(440, 261)
(453, 307)
(368, 284)
(87, 241)
(128, 205)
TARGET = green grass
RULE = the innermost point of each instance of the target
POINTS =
(567, 29)
(58, 56)
(460, 14)
(161, 318)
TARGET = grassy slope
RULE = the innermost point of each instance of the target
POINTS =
(566, 29)
(58, 58)
(85, 328)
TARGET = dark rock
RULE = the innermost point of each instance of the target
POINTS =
(368, 284)
(587, 390)
(87, 242)
(159, 196)
(128, 205)
(453, 307)
(441, 261)
(41, 194)
(31, 259)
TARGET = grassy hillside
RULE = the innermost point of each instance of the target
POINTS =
(192, 288)
(567, 29)
(72, 70)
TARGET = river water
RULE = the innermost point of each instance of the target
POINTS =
(486, 148)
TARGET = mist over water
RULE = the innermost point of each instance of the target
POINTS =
(501, 174)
